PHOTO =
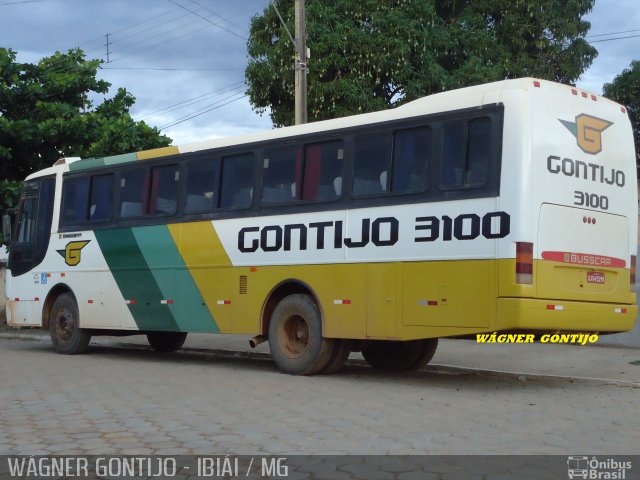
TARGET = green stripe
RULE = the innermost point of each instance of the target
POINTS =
(174, 279)
(116, 159)
(86, 164)
(135, 280)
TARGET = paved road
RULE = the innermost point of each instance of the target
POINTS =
(132, 401)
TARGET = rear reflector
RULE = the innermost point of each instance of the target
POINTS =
(524, 263)
(632, 284)
(555, 307)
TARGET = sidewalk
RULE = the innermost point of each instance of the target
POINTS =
(590, 362)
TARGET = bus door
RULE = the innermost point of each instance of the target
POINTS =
(32, 226)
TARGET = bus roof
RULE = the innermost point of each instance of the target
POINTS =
(467, 97)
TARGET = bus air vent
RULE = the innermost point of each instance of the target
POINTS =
(243, 285)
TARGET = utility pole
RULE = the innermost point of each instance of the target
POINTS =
(108, 52)
(301, 64)
(301, 58)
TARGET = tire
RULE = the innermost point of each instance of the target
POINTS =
(398, 356)
(340, 355)
(166, 341)
(429, 348)
(64, 327)
(295, 336)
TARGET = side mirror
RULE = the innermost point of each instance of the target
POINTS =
(6, 228)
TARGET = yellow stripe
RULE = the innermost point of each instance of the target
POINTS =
(209, 265)
(157, 152)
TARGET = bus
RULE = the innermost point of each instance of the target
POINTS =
(505, 207)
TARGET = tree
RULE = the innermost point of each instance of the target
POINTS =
(625, 89)
(369, 55)
(46, 113)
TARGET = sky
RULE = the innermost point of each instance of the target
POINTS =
(184, 60)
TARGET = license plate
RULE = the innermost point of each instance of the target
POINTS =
(595, 277)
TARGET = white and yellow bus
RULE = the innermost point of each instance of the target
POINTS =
(506, 207)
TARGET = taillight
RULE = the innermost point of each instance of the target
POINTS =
(524, 263)
(632, 284)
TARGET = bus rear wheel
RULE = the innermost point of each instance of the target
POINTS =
(64, 327)
(166, 341)
(397, 356)
(295, 336)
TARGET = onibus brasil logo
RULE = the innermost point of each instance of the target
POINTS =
(594, 468)
(588, 132)
(72, 252)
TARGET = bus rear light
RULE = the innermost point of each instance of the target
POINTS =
(524, 263)
(632, 283)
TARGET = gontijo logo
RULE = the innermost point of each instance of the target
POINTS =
(72, 251)
(588, 132)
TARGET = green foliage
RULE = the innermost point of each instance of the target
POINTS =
(46, 113)
(625, 89)
(9, 194)
(369, 55)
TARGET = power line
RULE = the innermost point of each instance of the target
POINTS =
(612, 33)
(19, 3)
(202, 113)
(189, 101)
(208, 20)
(172, 69)
(611, 39)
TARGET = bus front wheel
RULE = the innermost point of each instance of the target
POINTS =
(295, 336)
(396, 356)
(64, 327)
(166, 341)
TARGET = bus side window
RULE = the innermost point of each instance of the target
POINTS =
(134, 185)
(101, 205)
(236, 186)
(465, 153)
(282, 174)
(371, 165)
(202, 184)
(323, 170)
(411, 156)
(454, 154)
(75, 199)
(479, 151)
(165, 183)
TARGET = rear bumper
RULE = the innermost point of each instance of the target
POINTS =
(534, 314)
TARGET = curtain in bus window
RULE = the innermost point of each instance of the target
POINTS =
(236, 186)
(133, 192)
(282, 166)
(454, 153)
(371, 165)
(411, 152)
(165, 182)
(101, 204)
(202, 184)
(75, 198)
(479, 151)
(312, 171)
